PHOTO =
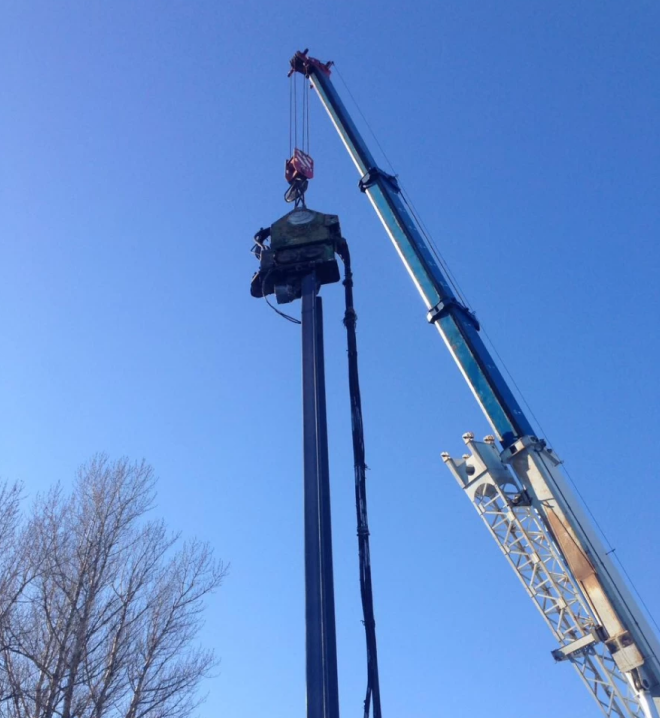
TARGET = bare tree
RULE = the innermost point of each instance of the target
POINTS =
(107, 616)
(11, 582)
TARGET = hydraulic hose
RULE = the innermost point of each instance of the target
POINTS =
(350, 322)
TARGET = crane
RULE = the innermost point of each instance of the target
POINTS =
(512, 477)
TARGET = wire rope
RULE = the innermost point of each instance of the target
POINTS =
(291, 81)
(407, 201)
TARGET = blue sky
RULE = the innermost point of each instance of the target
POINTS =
(143, 145)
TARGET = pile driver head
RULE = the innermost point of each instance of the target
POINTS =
(301, 242)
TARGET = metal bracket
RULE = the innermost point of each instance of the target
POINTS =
(577, 648)
(372, 176)
(530, 443)
(302, 63)
(519, 499)
(444, 306)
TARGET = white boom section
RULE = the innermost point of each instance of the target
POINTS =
(523, 499)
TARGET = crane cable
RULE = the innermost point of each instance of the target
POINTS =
(298, 115)
(293, 114)
(299, 182)
(360, 466)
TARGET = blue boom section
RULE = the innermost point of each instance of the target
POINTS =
(458, 327)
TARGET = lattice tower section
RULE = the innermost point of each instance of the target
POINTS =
(528, 547)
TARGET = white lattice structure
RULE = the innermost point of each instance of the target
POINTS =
(521, 533)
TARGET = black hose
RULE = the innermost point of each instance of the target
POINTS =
(350, 322)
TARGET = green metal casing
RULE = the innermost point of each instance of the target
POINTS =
(301, 242)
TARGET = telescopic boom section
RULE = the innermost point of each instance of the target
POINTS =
(520, 492)
(454, 321)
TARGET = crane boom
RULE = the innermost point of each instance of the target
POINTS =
(519, 491)
(455, 322)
